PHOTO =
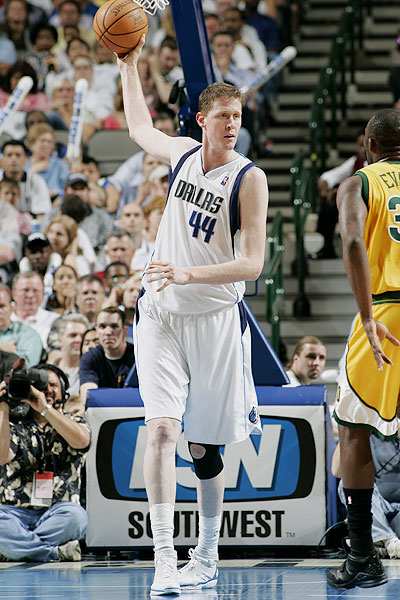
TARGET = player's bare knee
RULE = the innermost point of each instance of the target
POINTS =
(207, 460)
(197, 451)
(162, 434)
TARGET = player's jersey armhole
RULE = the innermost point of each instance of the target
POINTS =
(365, 187)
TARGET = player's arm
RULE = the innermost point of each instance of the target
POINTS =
(253, 203)
(352, 218)
(138, 117)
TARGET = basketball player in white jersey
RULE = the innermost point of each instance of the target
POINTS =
(192, 340)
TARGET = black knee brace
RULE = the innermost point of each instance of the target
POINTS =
(210, 465)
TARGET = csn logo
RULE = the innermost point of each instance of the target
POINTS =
(279, 464)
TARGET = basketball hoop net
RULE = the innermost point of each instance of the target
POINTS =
(151, 6)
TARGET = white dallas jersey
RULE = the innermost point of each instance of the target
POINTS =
(200, 226)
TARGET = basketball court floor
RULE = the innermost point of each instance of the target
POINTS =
(250, 579)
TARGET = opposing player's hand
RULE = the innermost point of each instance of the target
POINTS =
(133, 56)
(376, 332)
(158, 270)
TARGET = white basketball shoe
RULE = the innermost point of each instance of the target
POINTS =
(166, 574)
(199, 572)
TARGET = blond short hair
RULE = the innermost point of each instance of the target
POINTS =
(214, 92)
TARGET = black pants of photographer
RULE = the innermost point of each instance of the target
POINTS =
(327, 219)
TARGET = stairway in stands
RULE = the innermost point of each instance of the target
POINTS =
(332, 303)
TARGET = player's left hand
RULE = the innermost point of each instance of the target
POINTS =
(159, 269)
(376, 332)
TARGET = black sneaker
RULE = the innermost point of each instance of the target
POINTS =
(365, 572)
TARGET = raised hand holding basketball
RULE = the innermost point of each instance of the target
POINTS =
(119, 25)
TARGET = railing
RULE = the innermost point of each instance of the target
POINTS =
(302, 202)
(274, 279)
(331, 90)
(328, 106)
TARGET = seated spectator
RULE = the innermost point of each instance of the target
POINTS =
(90, 168)
(153, 213)
(39, 257)
(97, 224)
(90, 340)
(90, 297)
(133, 220)
(241, 55)
(35, 197)
(109, 364)
(119, 247)
(60, 114)
(41, 141)
(97, 194)
(73, 206)
(328, 184)
(15, 25)
(115, 275)
(62, 233)
(34, 100)
(10, 244)
(10, 192)
(307, 362)
(165, 69)
(28, 296)
(44, 526)
(99, 99)
(70, 334)
(233, 23)
(385, 496)
(15, 336)
(43, 37)
(62, 298)
(75, 46)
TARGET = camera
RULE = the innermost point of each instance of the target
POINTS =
(19, 383)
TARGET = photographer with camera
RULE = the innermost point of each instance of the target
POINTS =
(42, 450)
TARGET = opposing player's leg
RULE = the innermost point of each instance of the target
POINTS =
(160, 480)
(202, 570)
(362, 567)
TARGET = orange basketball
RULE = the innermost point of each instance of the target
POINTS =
(119, 24)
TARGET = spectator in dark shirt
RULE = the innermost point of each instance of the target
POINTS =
(108, 364)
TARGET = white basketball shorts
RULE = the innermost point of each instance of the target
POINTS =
(197, 368)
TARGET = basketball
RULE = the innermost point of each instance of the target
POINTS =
(119, 24)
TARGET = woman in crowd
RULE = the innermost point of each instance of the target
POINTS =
(62, 101)
(62, 299)
(42, 143)
(62, 233)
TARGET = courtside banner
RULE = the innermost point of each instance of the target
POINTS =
(275, 482)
